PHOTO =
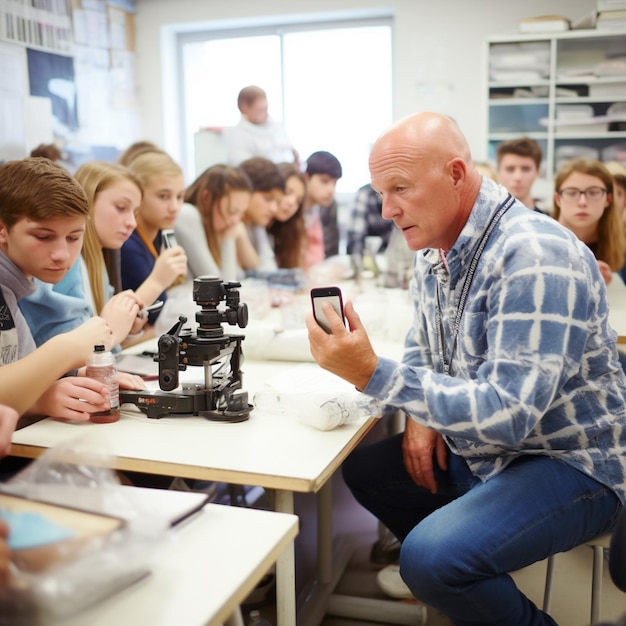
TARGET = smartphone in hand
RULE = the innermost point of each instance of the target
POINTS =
(168, 238)
(326, 294)
(155, 306)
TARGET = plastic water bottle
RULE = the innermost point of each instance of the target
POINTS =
(101, 366)
(257, 620)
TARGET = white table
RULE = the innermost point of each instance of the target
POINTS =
(616, 295)
(271, 451)
(206, 568)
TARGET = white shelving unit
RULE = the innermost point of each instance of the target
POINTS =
(567, 90)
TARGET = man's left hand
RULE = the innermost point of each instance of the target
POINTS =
(346, 353)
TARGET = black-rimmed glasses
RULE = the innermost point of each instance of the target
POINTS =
(573, 193)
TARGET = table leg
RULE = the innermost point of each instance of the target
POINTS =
(236, 619)
(325, 534)
(285, 569)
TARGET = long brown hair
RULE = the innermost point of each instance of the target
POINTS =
(611, 245)
(289, 235)
(217, 181)
(94, 177)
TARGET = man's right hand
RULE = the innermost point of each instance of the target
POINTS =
(420, 446)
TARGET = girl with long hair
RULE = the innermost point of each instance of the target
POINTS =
(583, 203)
(147, 265)
(287, 229)
(215, 204)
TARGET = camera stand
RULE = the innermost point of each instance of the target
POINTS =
(220, 397)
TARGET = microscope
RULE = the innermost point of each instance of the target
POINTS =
(221, 397)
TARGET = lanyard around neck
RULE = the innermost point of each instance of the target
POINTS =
(446, 360)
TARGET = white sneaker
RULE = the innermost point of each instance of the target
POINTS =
(390, 581)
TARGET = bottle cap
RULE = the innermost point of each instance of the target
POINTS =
(99, 348)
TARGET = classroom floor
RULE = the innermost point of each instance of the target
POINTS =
(571, 583)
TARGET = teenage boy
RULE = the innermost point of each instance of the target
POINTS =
(518, 162)
(323, 170)
(43, 213)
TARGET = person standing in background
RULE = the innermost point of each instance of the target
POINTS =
(257, 134)
(518, 162)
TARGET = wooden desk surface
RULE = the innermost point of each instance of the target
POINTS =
(271, 451)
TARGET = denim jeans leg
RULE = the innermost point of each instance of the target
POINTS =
(379, 481)
(458, 558)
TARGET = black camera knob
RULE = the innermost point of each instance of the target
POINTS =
(242, 315)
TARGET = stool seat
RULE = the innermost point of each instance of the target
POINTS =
(597, 544)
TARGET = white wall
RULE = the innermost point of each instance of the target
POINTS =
(439, 52)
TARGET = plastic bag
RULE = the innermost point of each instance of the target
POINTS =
(315, 398)
(111, 542)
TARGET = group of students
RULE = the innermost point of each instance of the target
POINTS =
(93, 244)
(589, 198)
(260, 216)
(82, 256)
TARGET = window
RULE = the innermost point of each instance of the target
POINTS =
(328, 83)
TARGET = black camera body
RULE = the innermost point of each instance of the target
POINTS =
(221, 397)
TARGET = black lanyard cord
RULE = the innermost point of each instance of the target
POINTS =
(501, 210)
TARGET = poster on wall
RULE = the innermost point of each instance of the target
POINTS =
(52, 76)
(12, 90)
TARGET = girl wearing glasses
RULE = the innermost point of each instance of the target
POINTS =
(583, 203)
(210, 226)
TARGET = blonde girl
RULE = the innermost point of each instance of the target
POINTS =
(147, 266)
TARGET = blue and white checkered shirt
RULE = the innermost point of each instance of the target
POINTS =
(533, 369)
(366, 219)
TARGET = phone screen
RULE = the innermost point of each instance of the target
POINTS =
(168, 238)
(326, 294)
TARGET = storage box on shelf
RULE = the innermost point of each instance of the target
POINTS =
(567, 90)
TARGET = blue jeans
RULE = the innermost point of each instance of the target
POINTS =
(459, 544)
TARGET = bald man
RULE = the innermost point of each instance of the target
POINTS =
(515, 443)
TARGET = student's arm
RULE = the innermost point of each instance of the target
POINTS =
(121, 314)
(8, 421)
(25, 380)
(247, 256)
